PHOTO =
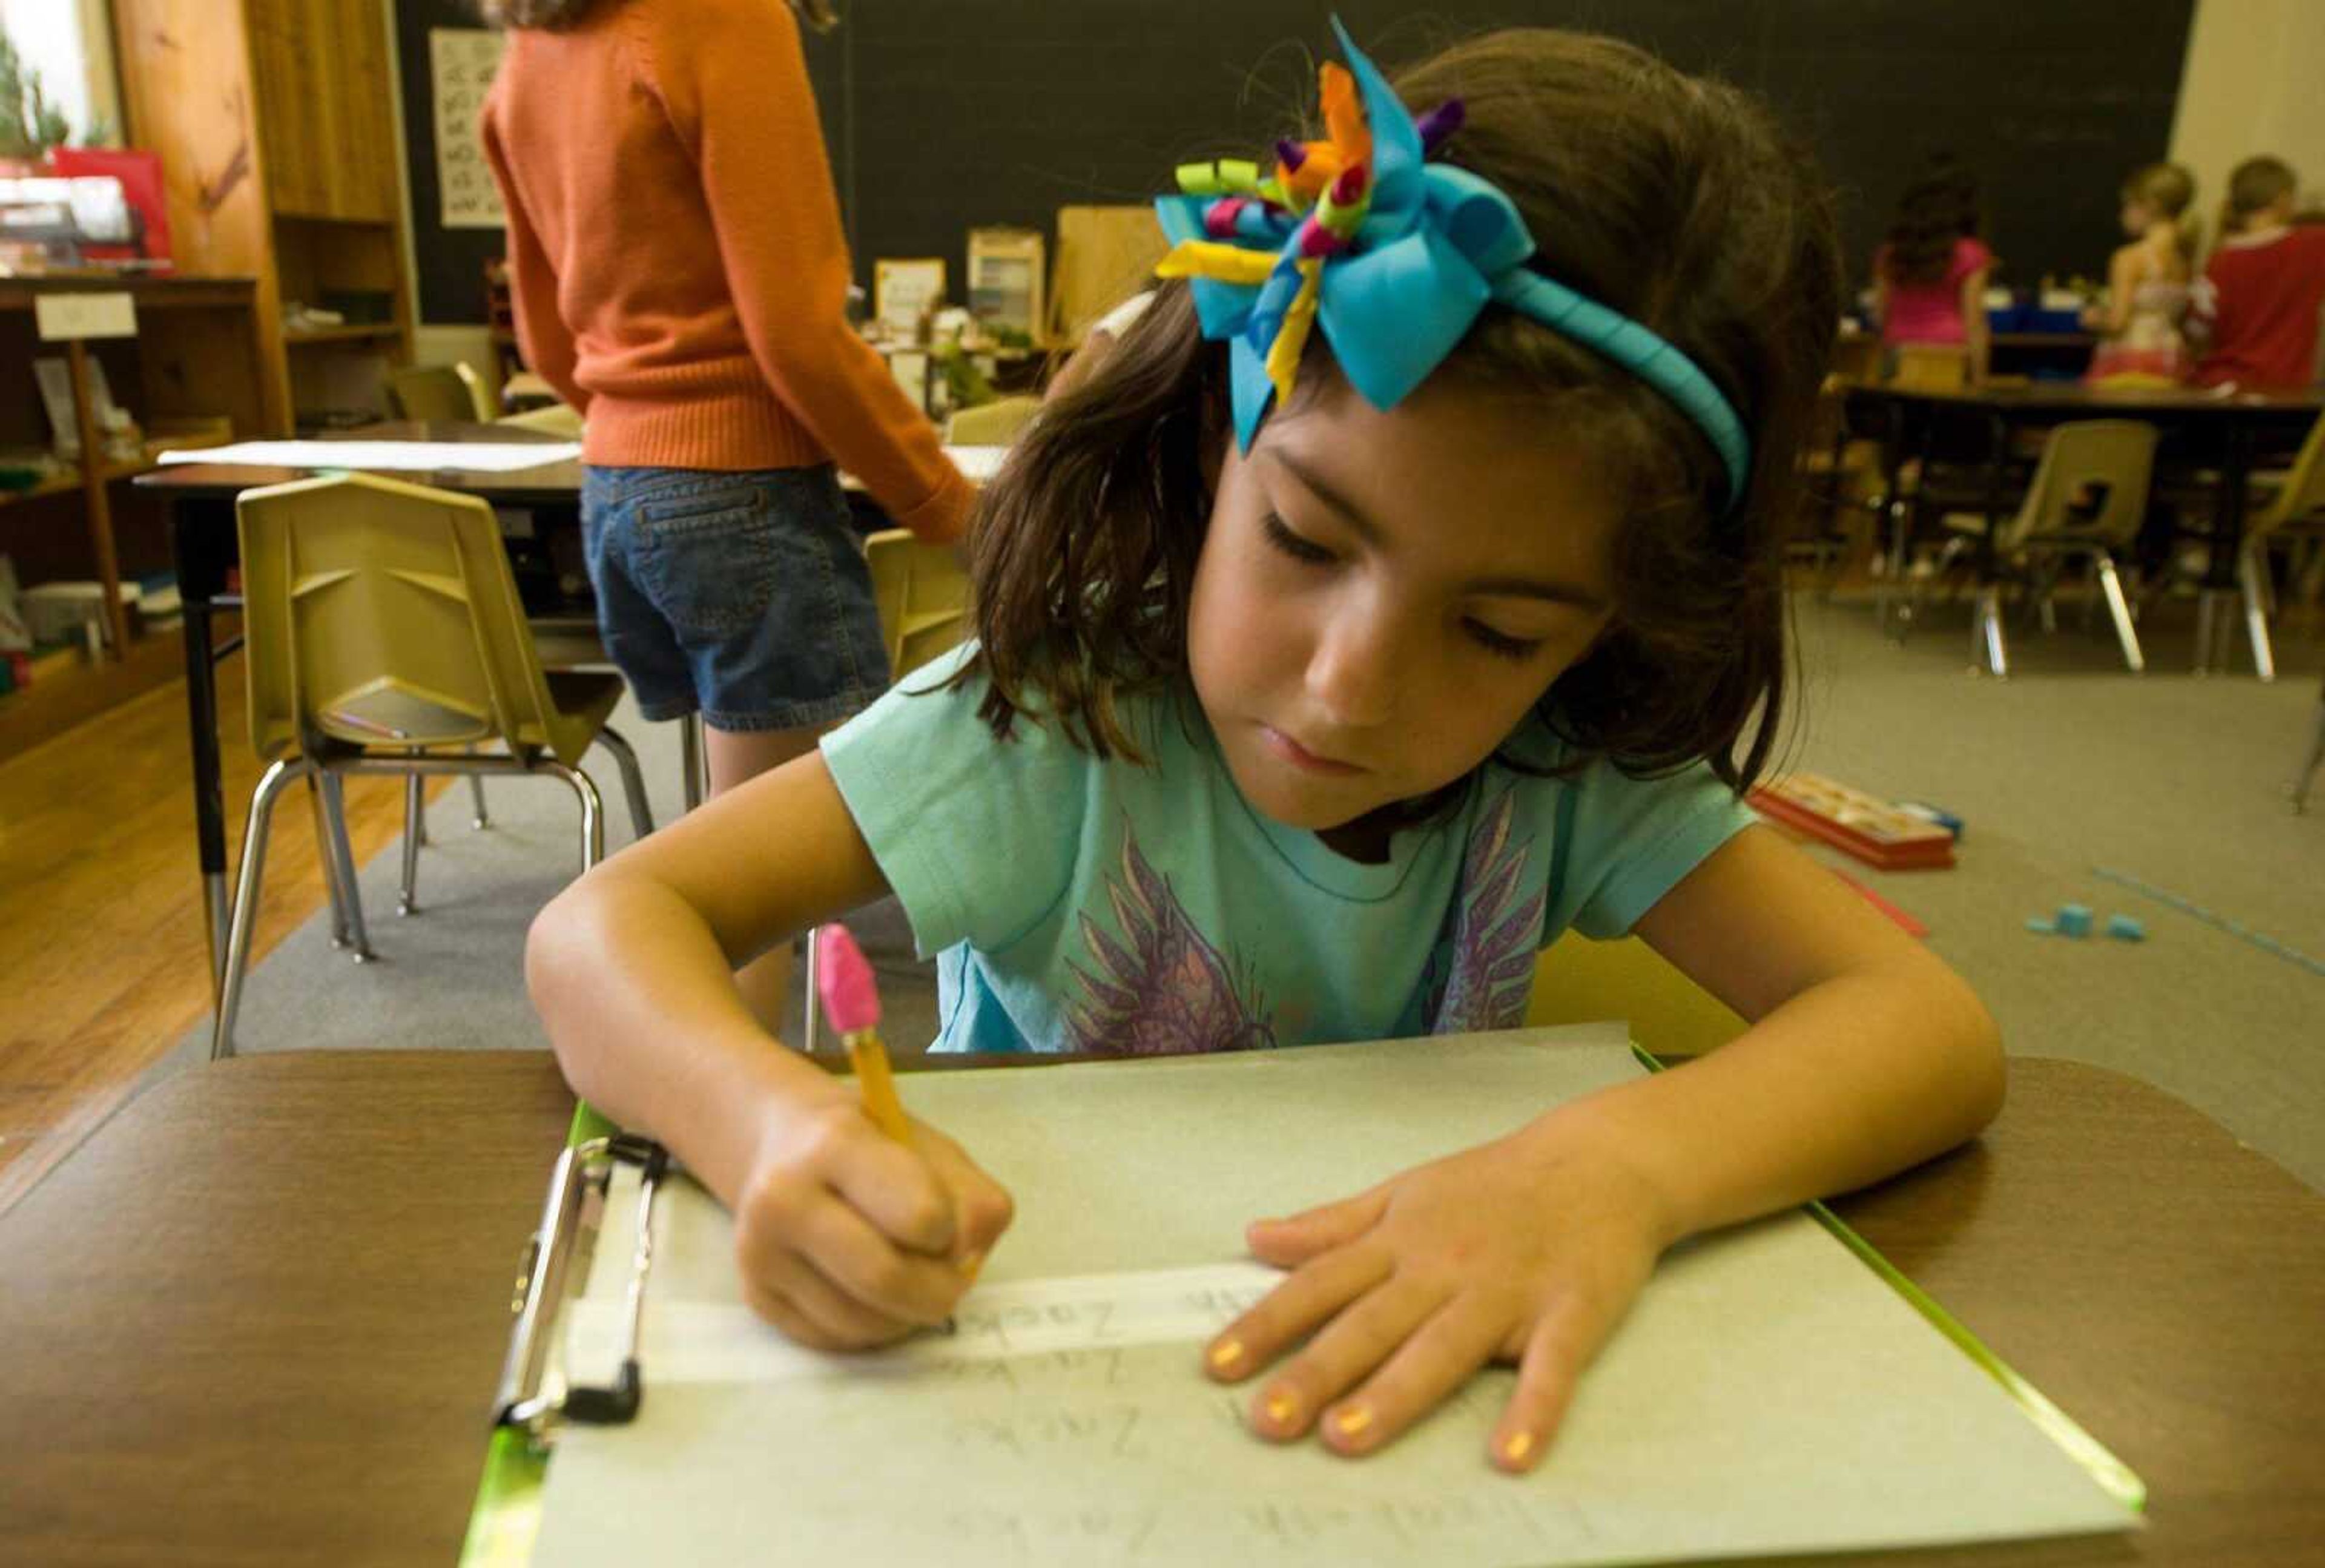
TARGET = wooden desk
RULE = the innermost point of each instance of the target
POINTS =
(205, 546)
(260, 1315)
(2216, 431)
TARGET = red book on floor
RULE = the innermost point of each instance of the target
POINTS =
(1874, 831)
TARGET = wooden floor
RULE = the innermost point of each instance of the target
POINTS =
(103, 963)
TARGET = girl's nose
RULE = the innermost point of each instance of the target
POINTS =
(1353, 672)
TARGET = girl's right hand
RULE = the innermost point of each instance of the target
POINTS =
(847, 1239)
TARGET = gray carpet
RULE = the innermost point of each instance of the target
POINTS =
(2070, 765)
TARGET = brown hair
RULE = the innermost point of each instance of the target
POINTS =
(2257, 183)
(551, 16)
(1672, 200)
(2167, 189)
(1938, 210)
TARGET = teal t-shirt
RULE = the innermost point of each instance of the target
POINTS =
(1128, 909)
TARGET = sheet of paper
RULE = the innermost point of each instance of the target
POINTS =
(430, 456)
(1769, 1393)
(461, 64)
(979, 464)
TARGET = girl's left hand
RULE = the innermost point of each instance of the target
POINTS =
(1528, 1249)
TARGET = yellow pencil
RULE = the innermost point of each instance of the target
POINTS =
(852, 1002)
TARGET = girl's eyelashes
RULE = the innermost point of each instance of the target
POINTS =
(1501, 644)
(1306, 551)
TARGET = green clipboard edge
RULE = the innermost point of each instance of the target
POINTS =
(2114, 1476)
(507, 1515)
(507, 1518)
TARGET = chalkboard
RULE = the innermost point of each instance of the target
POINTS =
(946, 115)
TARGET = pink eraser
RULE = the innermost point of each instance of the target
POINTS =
(843, 978)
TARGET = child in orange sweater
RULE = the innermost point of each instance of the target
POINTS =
(680, 275)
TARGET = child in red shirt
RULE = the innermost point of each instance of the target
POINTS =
(2263, 287)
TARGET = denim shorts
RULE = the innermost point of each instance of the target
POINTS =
(743, 594)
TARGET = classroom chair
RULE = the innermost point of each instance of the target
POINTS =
(452, 393)
(564, 642)
(2086, 503)
(991, 425)
(384, 635)
(558, 420)
(921, 593)
(2294, 517)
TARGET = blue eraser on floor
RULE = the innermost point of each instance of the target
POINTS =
(2036, 922)
(2123, 928)
(2074, 920)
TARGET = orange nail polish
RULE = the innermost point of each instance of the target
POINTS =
(1518, 1447)
(1282, 1407)
(1353, 1421)
(1225, 1354)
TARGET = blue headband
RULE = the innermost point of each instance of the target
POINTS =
(1393, 258)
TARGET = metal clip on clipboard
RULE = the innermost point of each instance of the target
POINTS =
(520, 1401)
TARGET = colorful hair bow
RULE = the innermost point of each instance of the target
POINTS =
(1392, 256)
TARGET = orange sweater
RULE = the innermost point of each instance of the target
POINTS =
(676, 253)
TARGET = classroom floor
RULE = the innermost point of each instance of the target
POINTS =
(2069, 766)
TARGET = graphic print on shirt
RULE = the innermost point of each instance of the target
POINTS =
(1496, 929)
(1161, 990)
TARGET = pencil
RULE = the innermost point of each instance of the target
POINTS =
(851, 1001)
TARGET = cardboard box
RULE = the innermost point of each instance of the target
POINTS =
(1105, 256)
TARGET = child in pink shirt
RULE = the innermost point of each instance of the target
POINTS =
(1929, 274)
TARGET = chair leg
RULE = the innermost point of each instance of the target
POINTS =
(689, 741)
(334, 802)
(330, 862)
(2127, 634)
(415, 824)
(633, 781)
(1985, 633)
(812, 1018)
(2252, 565)
(1900, 519)
(477, 789)
(246, 898)
(2307, 775)
(593, 812)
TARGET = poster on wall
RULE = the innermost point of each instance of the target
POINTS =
(462, 61)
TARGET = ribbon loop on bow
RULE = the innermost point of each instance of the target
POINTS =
(1392, 256)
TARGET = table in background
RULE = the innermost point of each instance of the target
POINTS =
(2218, 431)
(261, 1315)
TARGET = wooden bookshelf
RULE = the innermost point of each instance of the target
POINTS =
(377, 331)
(276, 128)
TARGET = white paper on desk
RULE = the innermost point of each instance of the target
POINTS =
(430, 456)
(978, 464)
(1768, 1393)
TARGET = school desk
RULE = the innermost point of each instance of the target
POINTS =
(2200, 429)
(260, 1315)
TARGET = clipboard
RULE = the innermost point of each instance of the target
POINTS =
(508, 1515)
(525, 1412)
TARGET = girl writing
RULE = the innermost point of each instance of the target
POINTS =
(1402, 591)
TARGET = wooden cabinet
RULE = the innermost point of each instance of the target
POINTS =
(276, 129)
(327, 130)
